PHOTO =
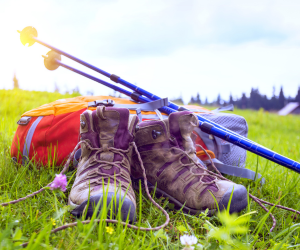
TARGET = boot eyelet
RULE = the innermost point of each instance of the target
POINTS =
(156, 134)
(82, 124)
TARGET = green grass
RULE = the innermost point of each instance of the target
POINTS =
(32, 219)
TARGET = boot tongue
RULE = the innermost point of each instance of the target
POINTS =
(115, 130)
(181, 126)
(108, 121)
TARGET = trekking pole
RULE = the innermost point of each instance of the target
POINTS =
(28, 36)
(53, 60)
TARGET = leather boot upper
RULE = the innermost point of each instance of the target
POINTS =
(105, 163)
(168, 154)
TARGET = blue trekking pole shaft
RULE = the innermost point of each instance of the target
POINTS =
(206, 127)
(29, 36)
(138, 91)
(250, 146)
(142, 99)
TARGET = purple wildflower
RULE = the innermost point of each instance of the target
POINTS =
(60, 181)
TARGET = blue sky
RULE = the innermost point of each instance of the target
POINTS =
(170, 47)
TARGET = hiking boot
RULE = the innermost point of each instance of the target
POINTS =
(105, 162)
(168, 155)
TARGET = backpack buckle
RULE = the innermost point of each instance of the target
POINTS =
(24, 120)
(106, 103)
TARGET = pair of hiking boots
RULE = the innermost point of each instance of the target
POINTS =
(110, 166)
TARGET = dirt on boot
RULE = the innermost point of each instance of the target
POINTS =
(169, 156)
(105, 163)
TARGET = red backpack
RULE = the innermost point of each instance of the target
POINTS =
(48, 134)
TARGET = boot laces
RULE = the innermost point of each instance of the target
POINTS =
(96, 176)
(196, 165)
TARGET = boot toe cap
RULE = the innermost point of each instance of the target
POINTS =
(127, 206)
(239, 199)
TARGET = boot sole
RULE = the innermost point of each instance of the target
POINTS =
(127, 209)
(234, 208)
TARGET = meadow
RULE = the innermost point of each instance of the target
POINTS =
(33, 219)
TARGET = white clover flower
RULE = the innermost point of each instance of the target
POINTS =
(188, 241)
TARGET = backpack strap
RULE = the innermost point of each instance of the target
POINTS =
(239, 172)
(229, 107)
(26, 148)
(148, 106)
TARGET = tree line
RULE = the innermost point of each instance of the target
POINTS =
(256, 100)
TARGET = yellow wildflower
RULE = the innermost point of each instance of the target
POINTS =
(109, 230)
(53, 222)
